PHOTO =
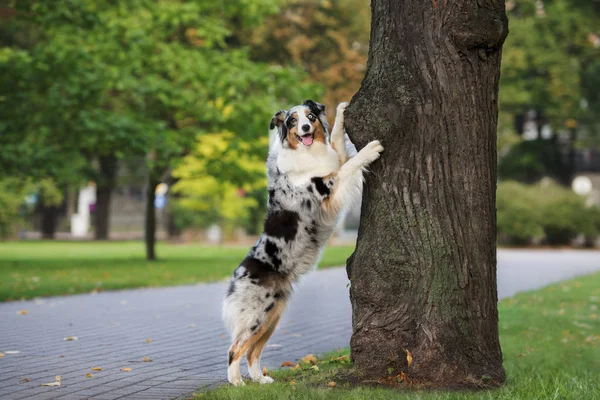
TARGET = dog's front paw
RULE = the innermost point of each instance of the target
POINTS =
(339, 113)
(370, 152)
(341, 108)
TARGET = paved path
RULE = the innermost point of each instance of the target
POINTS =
(188, 342)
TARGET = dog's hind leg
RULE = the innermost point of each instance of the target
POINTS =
(252, 338)
(233, 370)
(255, 350)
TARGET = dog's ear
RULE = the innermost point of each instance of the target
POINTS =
(277, 119)
(316, 108)
(277, 123)
(319, 110)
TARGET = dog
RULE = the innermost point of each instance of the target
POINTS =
(311, 180)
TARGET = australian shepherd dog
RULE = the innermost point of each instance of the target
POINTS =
(311, 180)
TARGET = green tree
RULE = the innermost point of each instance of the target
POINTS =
(551, 64)
(111, 80)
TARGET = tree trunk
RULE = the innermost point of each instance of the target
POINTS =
(104, 188)
(173, 231)
(150, 220)
(423, 275)
(49, 217)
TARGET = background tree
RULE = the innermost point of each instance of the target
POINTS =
(423, 283)
(551, 65)
(109, 81)
(329, 40)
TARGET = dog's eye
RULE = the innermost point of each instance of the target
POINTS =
(292, 121)
(312, 117)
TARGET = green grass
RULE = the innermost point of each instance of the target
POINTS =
(550, 342)
(30, 269)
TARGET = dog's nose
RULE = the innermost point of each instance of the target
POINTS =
(306, 127)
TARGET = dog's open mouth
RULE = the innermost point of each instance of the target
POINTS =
(307, 139)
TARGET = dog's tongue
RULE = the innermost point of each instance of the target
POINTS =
(307, 140)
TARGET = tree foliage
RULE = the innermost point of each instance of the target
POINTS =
(551, 60)
(87, 79)
(329, 39)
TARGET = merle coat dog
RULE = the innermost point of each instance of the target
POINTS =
(311, 180)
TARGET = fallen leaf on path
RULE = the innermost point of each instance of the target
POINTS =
(309, 359)
(287, 364)
(126, 369)
(25, 380)
(71, 338)
(55, 383)
(409, 357)
(148, 340)
(88, 375)
(22, 312)
(265, 370)
(146, 359)
(332, 384)
(96, 368)
(1, 355)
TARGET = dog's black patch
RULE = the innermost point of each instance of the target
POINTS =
(255, 326)
(278, 295)
(321, 186)
(260, 272)
(272, 251)
(231, 288)
(270, 307)
(282, 224)
(315, 107)
(313, 228)
(267, 295)
(307, 204)
(230, 359)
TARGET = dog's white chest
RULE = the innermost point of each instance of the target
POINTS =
(301, 166)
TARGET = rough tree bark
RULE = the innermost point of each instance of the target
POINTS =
(150, 219)
(423, 275)
(104, 188)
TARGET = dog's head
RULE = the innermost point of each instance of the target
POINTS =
(301, 126)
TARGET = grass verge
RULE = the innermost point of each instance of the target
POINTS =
(550, 341)
(30, 269)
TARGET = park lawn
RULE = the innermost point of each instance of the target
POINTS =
(550, 341)
(43, 268)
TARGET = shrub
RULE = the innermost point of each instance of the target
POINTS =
(517, 214)
(564, 214)
(545, 210)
